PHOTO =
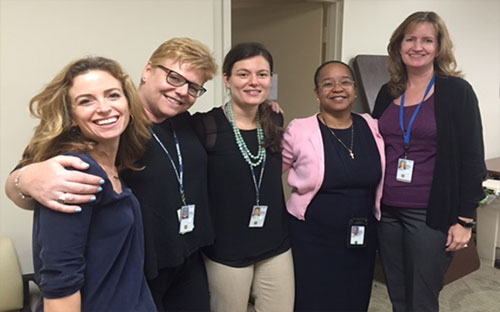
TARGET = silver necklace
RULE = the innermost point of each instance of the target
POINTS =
(349, 149)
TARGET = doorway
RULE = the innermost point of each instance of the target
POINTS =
(300, 34)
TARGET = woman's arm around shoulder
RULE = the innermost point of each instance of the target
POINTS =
(46, 181)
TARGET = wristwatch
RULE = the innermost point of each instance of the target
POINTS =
(466, 224)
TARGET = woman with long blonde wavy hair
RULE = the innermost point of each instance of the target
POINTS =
(88, 261)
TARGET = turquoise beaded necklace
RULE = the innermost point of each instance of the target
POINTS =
(252, 160)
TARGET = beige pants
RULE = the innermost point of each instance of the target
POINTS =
(268, 284)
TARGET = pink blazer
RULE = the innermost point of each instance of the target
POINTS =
(303, 155)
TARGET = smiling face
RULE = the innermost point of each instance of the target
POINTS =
(99, 106)
(250, 81)
(163, 100)
(335, 91)
(419, 47)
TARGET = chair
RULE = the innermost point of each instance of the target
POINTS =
(465, 261)
(371, 74)
(14, 286)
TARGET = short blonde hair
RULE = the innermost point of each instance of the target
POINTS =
(444, 63)
(55, 134)
(189, 51)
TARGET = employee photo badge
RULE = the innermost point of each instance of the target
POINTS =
(258, 216)
(405, 170)
(186, 218)
(357, 232)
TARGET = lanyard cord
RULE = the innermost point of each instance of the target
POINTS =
(178, 173)
(407, 133)
(257, 185)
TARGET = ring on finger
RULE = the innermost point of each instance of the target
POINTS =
(62, 198)
(465, 246)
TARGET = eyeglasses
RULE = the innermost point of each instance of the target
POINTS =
(177, 80)
(329, 85)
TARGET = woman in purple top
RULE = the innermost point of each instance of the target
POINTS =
(429, 118)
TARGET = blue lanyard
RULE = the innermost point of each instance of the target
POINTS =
(407, 133)
(178, 173)
(257, 185)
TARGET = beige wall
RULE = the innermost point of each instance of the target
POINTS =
(293, 34)
(475, 30)
(37, 38)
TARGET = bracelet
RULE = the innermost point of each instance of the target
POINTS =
(16, 185)
(466, 224)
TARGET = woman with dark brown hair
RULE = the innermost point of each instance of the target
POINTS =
(250, 259)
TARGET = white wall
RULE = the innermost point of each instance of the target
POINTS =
(39, 37)
(475, 30)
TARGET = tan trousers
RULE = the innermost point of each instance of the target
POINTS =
(269, 284)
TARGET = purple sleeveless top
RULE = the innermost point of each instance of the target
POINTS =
(423, 148)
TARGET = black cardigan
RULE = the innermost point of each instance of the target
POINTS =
(459, 169)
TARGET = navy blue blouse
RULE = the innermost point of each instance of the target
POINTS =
(99, 251)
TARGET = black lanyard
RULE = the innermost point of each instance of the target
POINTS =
(254, 178)
(178, 173)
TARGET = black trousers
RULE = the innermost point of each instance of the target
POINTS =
(182, 288)
(413, 258)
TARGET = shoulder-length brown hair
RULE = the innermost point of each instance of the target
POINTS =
(444, 63)
(55, 134)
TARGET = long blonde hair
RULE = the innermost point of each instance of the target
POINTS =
(55, 134)
(444, 63)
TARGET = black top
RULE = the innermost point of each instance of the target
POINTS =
(232, 197)
(99, 251)
(350, 182)
(459, 169)
(157, 189)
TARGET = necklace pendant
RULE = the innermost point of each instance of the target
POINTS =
(352, 154)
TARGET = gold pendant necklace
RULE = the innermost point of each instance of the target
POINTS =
(349, 149)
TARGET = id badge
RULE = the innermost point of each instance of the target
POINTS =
(405, 170)
(357, 232)
(186, 218)
(258, 216)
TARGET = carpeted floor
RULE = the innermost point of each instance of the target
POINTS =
(476, 292)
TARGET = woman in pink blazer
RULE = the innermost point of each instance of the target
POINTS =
(336, 163)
